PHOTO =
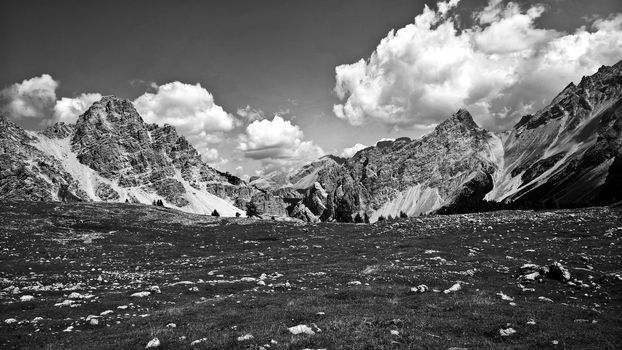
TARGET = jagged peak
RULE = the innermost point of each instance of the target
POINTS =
(461, 117)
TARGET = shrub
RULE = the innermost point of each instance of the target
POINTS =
(215, 213)
(358, 219)
(381, 218)
(403, 215)
(251, 209)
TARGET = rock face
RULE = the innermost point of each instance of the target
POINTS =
(110, 154)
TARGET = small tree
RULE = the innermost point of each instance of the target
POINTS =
(358, 219)
(251, 209)
(366, 218)
(237, 214)
(154, 202)
(390, 218)
(403, 215)
(381, 218)
(215, 213)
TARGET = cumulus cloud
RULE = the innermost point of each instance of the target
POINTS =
(191, 110)
(351, 151)
(68, 109)
(32, 98)
(500, 68)
(277, 142)
(250, 114)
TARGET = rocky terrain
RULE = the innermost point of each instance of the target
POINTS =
(116, 275)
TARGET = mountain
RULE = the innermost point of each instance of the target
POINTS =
(111, 154)
(567, 154)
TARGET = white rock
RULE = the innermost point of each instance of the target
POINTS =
(394, 332)
(141, 295)
(37, 319)
(64, 303)
(155, 289)
(10, 320)
(422, 288)
(93, 322)
(545, 299)
(68, 329)
(300, 329)
(198, 341)
(456, 287)
(505, 297)
(354, 283)
(26, 298)
(245, 337)
(107, 312)
(171, 325)
(506, 332)
(153, 343)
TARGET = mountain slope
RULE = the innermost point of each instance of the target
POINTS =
(110, 154)
(568, 153)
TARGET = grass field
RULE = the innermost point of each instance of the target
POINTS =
(68, 273)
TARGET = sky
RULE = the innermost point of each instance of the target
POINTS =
(262, 86)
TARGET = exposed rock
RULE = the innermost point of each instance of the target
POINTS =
(300, 211)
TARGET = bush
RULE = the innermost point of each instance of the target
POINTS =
(237, 214)
(251, 209)
(381, 218)
(403, 215)
(366, 218)
(215, 213)
(358, 219)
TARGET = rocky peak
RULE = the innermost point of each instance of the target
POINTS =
(59, 130)
(459, 123)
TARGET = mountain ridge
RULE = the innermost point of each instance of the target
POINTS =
(568, 153)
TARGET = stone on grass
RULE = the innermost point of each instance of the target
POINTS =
(171, 325)
(507, 331)
(140, 294)
(153, 343)
(301, 329)
(93, 322)
(10, 320)
(26, 298)
(456, 287)
(245, 337)
(558, 272)
(422, 288)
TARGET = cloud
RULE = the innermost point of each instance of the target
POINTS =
(32, 98)
(250, 114)
(278, 143)
(191, 110)
(68, 109)
(500, 68)
(351, 151)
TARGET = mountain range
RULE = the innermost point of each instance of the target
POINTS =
(567, 154)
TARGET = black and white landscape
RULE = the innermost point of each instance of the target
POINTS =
(486, 211)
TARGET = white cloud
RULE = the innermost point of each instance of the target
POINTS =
(191, 110)
(32, 98)
(278, 143)
(500, 68)
(68, 109)
(351, 151)
(250, 114)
